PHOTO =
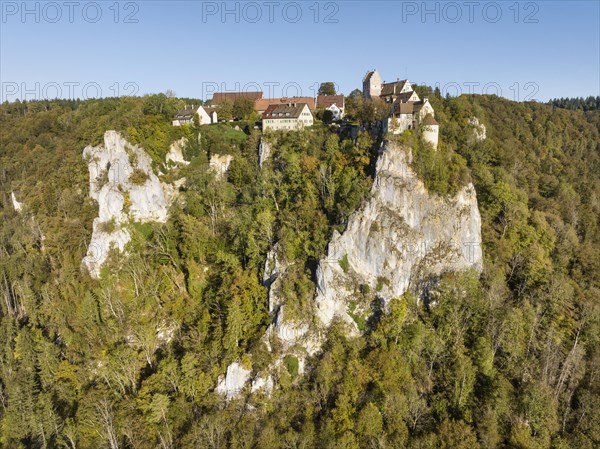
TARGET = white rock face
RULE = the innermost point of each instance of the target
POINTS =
(233, 382)
(397, 239)
(275, 267)
(400, 237)
(119, 199)
(220, 164)
(175, 153)
(479, 130)
(264, 151)
(165, 332)
(289, 332)
(264, 383)
(16, 205)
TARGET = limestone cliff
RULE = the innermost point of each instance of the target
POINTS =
(400, 238)
(219, 164)
(479, 129)
(124, 185)
(175, 154)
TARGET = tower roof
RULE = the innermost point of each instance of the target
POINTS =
(368, 76)
(430, 121)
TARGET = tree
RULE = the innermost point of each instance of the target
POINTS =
(327, 88)
(506, 358)
(243, 108)
(225, 110)
(370, 421)
(327, 116)
(356, 93)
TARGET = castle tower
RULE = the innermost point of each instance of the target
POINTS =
(372, 85)
(430, 130)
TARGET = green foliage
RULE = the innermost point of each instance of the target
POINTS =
(381, 281)
(360, 320)
(506, 359)
(327, 116)
(366, 112)
(291, 364)
(138, 177)
(225, 110)
(221, 138)
(582, 104)
(108, 226)
(327, 88)
(442, 170)
(243, 109)
(344, 263)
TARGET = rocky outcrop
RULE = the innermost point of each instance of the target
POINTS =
(264, 383)
(220, 164)
(275, 267)
(479, 129)
(289, 332)
(264, 152)
(16, 205)
(175, 154)
(400, 238)
(124, 185)
(234, 380)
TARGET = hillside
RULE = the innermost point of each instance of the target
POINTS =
(505, 357)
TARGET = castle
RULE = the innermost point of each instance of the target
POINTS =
(407, 110)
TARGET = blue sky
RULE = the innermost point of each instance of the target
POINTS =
(521, 50)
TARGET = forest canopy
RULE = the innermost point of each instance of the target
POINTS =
(509, 358)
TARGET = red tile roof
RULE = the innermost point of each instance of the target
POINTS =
(218, 97)
(328, 100)
(263, 103)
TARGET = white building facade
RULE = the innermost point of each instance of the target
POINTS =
(407, 110)
(292, 116)
(185, 116)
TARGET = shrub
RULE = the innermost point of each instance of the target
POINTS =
(344, 264)
(381, 281)
(360, 321)
(291, 364)
(138, 177)
(108, 227)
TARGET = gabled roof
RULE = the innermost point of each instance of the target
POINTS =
(209, 110)
(186, 113)
(263, 103)
(310, 101)
(392, 88)
(368, 76)
(328, 100)
(405, 96)
(418, 105)
(218, 97)
(430, 121)
(403, 108)
(409, 107)
(282, 111)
